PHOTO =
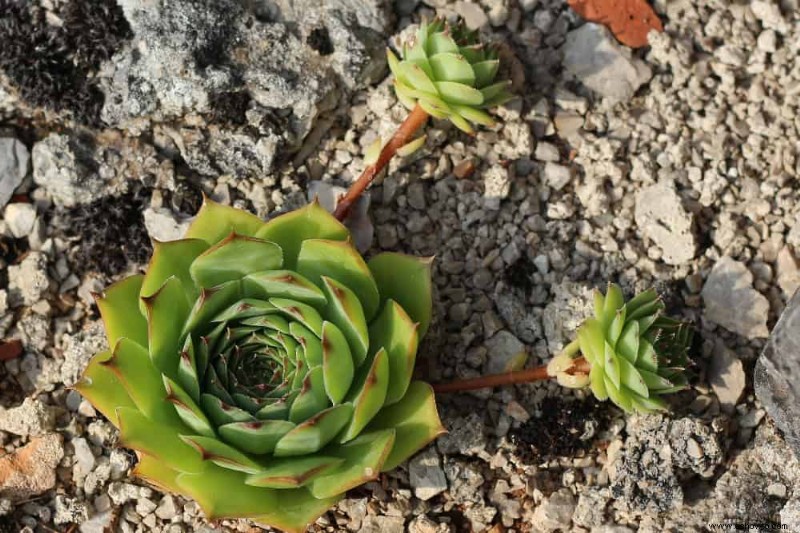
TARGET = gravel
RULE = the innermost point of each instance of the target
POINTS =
(674, 166)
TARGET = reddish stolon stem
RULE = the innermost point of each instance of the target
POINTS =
(529, 375)
(402, 136)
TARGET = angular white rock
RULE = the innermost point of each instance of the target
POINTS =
(596, 59)
(731, 301)
(661, 218)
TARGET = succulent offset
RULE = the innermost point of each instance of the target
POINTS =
(450, 74)
(635, 353)
(263, 369)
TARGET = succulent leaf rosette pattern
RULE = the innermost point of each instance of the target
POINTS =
(448, 72)
(635, 353)
(264, 368)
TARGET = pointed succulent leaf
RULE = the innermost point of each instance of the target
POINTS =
(440, 43)
(310, 343)
(215, 221)
(458, 93)
(339, 261)
(222, 413)
(452, 67)
(312, 397)
(337, 363)
(189, 412)
(494, 90)
(313, 434)
(292, 472)
(119, 309)
(473, 115)
(233, 258)
(345, 310)
(415, 421)
(416, 77)
(362, 458)
(305, 314)
(290, 510)
(406, 280)
(369, 396)
(142, 380)
(160, 441)
(167, 311)
(210, 303)
(101, 386)
(256, 437)
(172, 258)
(485, 72)
(283, 284)
(221, 454)
(156, 473)
(394, 331)
(290, 230)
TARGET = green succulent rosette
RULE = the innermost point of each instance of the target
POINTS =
(450, 74)
(636, 354)
(263, 369)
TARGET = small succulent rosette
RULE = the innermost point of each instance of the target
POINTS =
(450, 74)
(635, 353)
(263, 369)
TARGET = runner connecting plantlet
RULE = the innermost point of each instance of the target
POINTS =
(629, 353)
(446, 73)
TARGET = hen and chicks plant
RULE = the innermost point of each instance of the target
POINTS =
(264, 369)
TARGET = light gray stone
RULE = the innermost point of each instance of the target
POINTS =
(20, 218)
(426, 475)
(28, 281)
(505, 353)
(382, 524)
(555, 513)
(14, 160)
(61, 165)
(164, 225)
(661, 218)
(30, 419)
(727, 377)
(731, 301)
(557, 176)
(777, 374)
(472, 13)
(596, 59)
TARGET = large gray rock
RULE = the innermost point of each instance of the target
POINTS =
(261, 72)
(596, 59)
(14, 159)
(777, 374)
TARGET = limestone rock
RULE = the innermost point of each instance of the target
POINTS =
(62, 165)
(32, 418)
(596, 59)
(662, 219)
(426, 475)
(14, 159)
(727, 378)
(31, 470)
(731, 301)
